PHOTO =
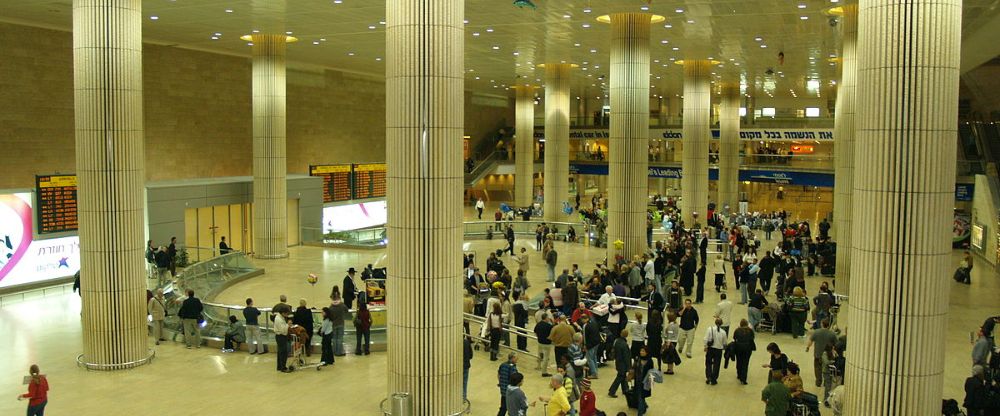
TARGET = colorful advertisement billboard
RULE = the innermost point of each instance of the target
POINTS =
(24, 259)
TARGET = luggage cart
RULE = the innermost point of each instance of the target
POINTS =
(297, 360)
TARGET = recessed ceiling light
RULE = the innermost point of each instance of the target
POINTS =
(758, 38)
(255, 31)
(466, 21)
(586, 25)
(315, 42)
(350, 54)
(586, 10)
(338, 1)
(215, 38)
(802, 6)
(154, 17)
(378, 58)
(576, 44)
(322, 39)
(516, 53)
(371, 27)
(496, 47)
(475, 33)
(668, 26)
(229, 10)
(217, 34)
(679, 10)
(763, 46)
(644, 8)
(489, 30)
(664, 41)
(804, 17)
(690, 21)
(593, 51)
(566, 16)
(288, 33)
(477, 78)
(676, 48)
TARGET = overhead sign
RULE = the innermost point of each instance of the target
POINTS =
(369, 180)
(336, 181)
(752, 175)
(25, 260)
(678, 134)
(56, 203)
(964, 191)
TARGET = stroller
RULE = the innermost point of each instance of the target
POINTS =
(297, 359)
(770, 321)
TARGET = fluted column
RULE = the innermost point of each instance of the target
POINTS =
(524, 144)
(556, 140)
(904, 184)
(628, 162)
(843, 147)
(110, 166)
(694, 163)
(270, 216)
(729, 147)
(424, 128)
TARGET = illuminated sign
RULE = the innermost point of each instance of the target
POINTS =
(678, 134)
(56, 203)
(25, 260)
(369, 180)
(354, 216)
(336, 181)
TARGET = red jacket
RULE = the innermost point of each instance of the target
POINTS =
(588, 403)
(38, 392)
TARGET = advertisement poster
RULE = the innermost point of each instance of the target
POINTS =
(354, 216)
(25, 260)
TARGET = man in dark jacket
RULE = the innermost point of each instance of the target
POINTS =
(766, 273)
(172, 253)
(654, 299)
(190, 314)
(349, 290)
(592, 340)
(509, 234)
(623, 361)
(688, 268)
(976, 392)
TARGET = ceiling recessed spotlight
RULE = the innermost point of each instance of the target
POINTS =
(371, 27)
(338, 1)
(322, 39)
(566, 16)
(585, 25)
(690, 21)
(496, 47)
(215, 38)
(763, 46)
(350, 54)
(466, 21)
(489, 30)
(586, 10)
(288, 33)
(315, 42)
(249, 43)
(475, 33)
(679, 10)
(229, 10)
(477, 78)
(804, 17)
(664, 41)
(758, 38)
(154, 17)
(644, 8)
(577, 45)
(378, 58)
(676, 48)
(593, 51)
(517, 53)
(255, 31)
(217, 34)
(802, 6)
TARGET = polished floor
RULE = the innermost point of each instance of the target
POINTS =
(47, 331)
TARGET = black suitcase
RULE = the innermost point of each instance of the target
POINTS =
(631, 400)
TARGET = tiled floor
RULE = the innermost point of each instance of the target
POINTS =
(47, 331)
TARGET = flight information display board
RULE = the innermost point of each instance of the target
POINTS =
(369, 180)
(336, 181)
(56, 205)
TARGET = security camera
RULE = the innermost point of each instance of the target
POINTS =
(833, 22)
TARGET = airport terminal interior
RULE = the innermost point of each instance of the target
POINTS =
(653, 207)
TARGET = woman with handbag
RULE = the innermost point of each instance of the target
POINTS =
(743, 338)
(670, 334)
(494, 327)
(654, 335)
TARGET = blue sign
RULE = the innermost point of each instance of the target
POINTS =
(964, 191)
(760, 176)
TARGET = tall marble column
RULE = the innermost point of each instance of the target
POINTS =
(843, 147)
(694, 163)
(556, 169)
(110, 167)
(628, 162)
(270, 195)
(524, 145)
(729, 147)
(424, 128)
(904, 184)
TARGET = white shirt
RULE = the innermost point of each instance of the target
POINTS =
(649, 269)
(480, 204)
(280, 326)
(723, 311)
(606, 298)
(715, 337)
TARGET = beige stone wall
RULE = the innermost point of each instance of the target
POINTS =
(197, 112)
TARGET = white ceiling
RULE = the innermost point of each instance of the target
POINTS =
(350, 35)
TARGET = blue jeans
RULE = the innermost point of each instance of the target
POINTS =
(552, 272)
(338, 340)
(37, 410)
(754, 315)
(465, 383)
(362, 347)
(592, 361)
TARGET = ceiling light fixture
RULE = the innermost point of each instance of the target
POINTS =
(668, 26)
(804, 17)
(496, 47)
(154, 17)
(679, 10)
(229, 10)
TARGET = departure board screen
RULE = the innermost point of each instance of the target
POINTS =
(336, 181)
(369, 180)
(56, 210)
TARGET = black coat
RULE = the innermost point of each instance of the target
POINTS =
(303, 317)
(623, 355)
(349, 290)
(190, 309)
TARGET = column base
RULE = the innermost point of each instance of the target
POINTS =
(81, 361)
(271, 256)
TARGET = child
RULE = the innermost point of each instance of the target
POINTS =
(588, 401)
